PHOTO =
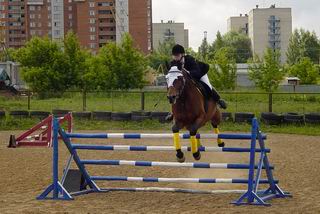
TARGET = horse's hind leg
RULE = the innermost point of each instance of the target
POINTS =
(216, 131)
(177, 144)
(215, 121)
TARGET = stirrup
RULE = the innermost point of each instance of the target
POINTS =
(169, 117)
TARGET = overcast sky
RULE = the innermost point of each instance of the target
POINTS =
(212, 15)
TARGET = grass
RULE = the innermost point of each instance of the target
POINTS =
(155, 126)
(156, 101)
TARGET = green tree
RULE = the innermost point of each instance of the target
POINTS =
(303, 44)
(203, 50)
(76, 57)
(267, 73)
(126, 64)
(223, 69)
(43, 65)
(237, 43)
(161, 56)
(216, 45)
(305, 70)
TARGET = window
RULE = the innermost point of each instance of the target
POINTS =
(70, 8)
(70, 24)
(57, 32)
(91, 12)
(55, 16)
(49, 8)
(70, 16)
(56, 8)
(92, 37)
(70, 1)
(32, 8)
(39, 8)
(39, 24)
(32, 16)
(32, 24)
(49, 24)
(32, 32)
(104, 12)
(91, 4)
(92, 29)
(92, 45)
(39, 16)
(92, 21)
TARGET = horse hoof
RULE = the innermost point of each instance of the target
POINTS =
(180, 157)
(221, 144)
(181, 160)
(197, 155)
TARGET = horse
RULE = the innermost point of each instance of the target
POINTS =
(189, 111)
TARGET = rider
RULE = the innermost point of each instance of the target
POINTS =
(198, 70)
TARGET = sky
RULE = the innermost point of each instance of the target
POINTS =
(212, 15)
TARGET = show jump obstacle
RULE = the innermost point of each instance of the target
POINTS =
(252, 195)
(41, 134)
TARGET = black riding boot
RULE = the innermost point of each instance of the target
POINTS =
(216, 97)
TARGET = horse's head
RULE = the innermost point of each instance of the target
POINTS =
(175, 83)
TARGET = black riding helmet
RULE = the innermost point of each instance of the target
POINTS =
(178, 49)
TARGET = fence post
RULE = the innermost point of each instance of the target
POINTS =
(29, 99)
(270, 102)
(142, 101)
(84, 100)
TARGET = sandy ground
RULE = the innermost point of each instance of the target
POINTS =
(25, 172)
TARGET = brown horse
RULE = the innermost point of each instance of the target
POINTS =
(188, 108)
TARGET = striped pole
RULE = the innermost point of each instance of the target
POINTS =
(168, 164)
(176, 180)
(159, 136)
(158, 148)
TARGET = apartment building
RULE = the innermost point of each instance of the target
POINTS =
(170, 30)
(267, 27)
(94, 21)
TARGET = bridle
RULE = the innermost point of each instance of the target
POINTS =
(180, 91)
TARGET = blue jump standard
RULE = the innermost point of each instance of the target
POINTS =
(251, 196)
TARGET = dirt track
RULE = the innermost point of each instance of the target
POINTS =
(25, 172)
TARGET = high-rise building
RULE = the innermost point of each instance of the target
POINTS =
(267, 28)
(239, 24)
(170, 30)
(94, 21)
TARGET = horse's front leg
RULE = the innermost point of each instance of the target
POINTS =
(176, 141)
(195, 143)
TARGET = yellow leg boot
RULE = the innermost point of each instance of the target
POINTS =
(177, 145)
(194, 148)
(219, 141)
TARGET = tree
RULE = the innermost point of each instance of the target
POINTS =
(223, 70)
(203, 50)
(216, 45)
(267, 72)
(43, 65)
(303, 44)
(161, 56)
(305, 70)
(125, 65)
(239, 43)
(76, 57)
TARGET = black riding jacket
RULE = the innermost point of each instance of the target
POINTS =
(196, 68)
